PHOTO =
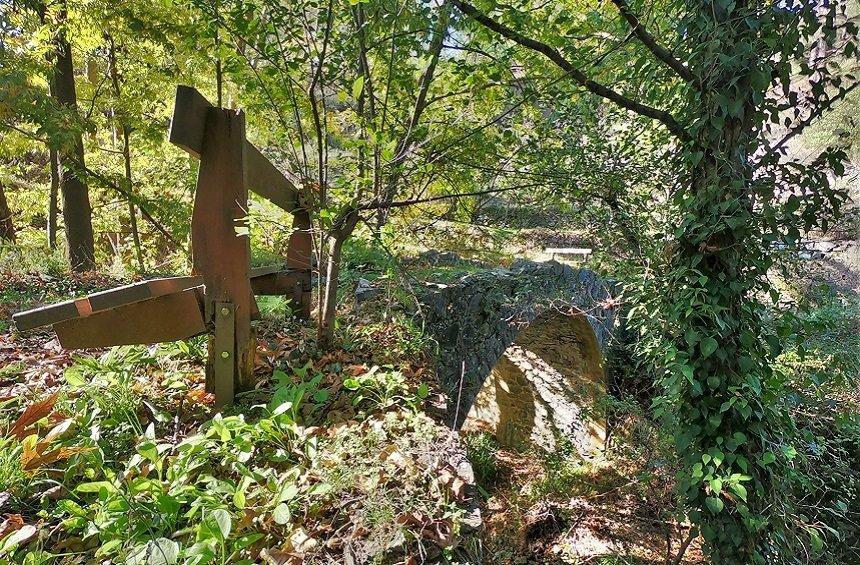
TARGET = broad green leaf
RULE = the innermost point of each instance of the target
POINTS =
(714, 504)
(708, 346)
(282, 514)
(357, 87)
(225, 523)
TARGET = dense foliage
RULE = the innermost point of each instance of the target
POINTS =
(666, 131)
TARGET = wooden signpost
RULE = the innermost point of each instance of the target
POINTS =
(218, 297)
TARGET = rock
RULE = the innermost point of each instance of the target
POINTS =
(364, 291)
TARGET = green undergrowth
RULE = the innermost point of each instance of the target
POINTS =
(330, 459)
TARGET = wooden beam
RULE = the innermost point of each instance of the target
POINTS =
(165, 318)
(267, 181)
(187, 129)
(299, 252)
(141, 291)
(220, 255)
(83, 307)
(280, 282)
(189, 120)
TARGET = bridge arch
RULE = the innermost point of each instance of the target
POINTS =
(545, 385)
(521, 352)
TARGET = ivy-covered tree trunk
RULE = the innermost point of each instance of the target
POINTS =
(77, 213)
(718, 362)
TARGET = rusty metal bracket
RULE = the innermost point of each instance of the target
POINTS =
(222, 353)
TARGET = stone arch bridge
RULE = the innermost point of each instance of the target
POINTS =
(525, 351)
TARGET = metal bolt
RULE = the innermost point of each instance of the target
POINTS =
(225, 311)
(225, 354)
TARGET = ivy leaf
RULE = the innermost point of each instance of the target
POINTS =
(739, 490)
(716, 485)
(708, 346)
(760, 79)
(714, 504)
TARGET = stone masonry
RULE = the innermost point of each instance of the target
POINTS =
(523, 350)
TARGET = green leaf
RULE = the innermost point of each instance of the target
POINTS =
(239, 499)
(161, 551)
(708, 346)
(739, 490)
(357, 87)
(288, 492)
(282, 514)
(716, 485)
(96, 486)
(351, 384)
(74, 377)
(247, 540)
(148, 450)
(225, 523)
(714, 504)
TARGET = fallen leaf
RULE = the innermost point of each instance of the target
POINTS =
(10, 524)
(31, 415)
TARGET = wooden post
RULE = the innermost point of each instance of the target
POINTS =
(221, 255)
(299, 257)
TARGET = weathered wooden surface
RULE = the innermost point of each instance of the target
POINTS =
(188, 130)
(165, 318)
(219, 254)
(83, 307)
(299, 258)
(279, 282)
(222, 363)
(219, 296)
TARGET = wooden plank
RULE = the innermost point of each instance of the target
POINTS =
(83, 307)
(143, 290)
(222, 355)
(189, 120)
(187, 128)
(219, 254)
(299, 252)
(267, 270)
(165, 318)
(267, 181)
(52, 314)
(279, 283)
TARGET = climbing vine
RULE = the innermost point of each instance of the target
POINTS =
(732, 81)
(736, 200)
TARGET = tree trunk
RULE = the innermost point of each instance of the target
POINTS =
(77, 212)
(7, 229)
(132, 212)
(325, 333)
(53, 209)
(342, 230)
(126, 155)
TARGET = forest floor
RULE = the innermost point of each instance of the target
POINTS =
(537, 507)
(361, 467)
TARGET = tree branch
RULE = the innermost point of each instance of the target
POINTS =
(596, 88)
(650, 42)
(798, 128)
(411, 202)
